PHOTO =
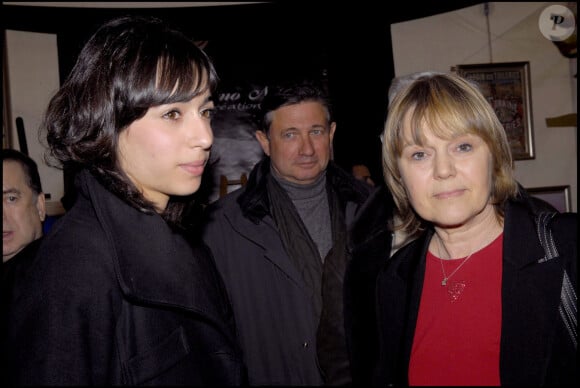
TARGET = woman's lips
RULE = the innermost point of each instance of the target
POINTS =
(195, 169)
(449, 194)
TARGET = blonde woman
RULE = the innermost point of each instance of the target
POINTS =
(475, 299)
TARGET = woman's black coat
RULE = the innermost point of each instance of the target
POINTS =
(536, 348)
(114, 296)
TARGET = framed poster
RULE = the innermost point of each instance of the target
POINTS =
(557, 196)
(507, 88)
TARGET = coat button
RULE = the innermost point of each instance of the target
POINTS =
(305, 345)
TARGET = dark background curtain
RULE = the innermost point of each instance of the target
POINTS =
(348, 46)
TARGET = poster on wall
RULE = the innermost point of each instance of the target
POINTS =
(235, 150)
(557, 196)
(507, 88)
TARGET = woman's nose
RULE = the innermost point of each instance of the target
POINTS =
(201, 134)
(444, 166)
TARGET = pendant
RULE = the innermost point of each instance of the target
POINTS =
(444, 282)
(455, 289)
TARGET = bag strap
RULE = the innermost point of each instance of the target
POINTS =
(568, 300)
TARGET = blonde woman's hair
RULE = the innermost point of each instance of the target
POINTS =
(449, 106)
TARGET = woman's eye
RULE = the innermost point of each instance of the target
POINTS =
(208, 113)
(465, 147)
(418, 155)
(172, 115)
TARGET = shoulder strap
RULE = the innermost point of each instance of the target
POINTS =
(568, 300)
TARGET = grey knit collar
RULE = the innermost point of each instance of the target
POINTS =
(297, 191)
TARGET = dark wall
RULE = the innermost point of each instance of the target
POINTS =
(347, 45)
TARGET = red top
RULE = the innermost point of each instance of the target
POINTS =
(458, 329)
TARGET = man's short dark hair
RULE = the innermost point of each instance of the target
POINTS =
(290, 93)
(28, 165)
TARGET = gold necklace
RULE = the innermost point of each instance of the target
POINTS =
(445, 277)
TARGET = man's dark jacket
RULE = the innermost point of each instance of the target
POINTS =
(272, 308)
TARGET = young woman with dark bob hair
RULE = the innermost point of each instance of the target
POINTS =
(116, 295)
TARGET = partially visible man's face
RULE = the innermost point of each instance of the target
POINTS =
(22, 211)
(300, 142)
(362, 173)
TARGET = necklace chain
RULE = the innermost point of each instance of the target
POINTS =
(445, 277)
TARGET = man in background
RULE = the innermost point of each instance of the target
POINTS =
(299, 247)
(23, 211)
(23, 205)
(361, 172)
